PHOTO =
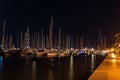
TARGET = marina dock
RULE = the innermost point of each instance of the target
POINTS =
(109, 69)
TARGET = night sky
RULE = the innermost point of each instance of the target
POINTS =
(74, 17)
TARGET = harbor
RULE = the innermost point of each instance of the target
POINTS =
(46, 44)
(47, 57)
(59, 40)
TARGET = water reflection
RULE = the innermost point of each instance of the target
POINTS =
(1, 61)
(92, 62)
(51, 69)
(51, 75)
(67, 68)
(33, 70)
(1, 66)
(71, 69)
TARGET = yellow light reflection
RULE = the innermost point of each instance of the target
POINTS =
(92, 63)
(71, 68)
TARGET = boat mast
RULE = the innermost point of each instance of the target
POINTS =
(6, 41)
(77, 42)
(42, 38)
(21, 41)
(63, 43)
(18, 40)
(99, 41)
(10, 41)
(38, 40)
(3, 34)
(47, 41)
(81, 42)
(59, 39)
(27, 42)
(69, 41)
(34, 40)
(50, 33)
(66, 41)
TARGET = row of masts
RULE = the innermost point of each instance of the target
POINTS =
(47, 41)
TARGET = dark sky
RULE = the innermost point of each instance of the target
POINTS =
(76, 17)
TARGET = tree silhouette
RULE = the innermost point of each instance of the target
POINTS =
(116, 44)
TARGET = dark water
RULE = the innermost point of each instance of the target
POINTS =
(68, 68)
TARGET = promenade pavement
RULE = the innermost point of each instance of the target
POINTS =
(109, 69)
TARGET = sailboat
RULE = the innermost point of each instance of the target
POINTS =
(12, 50)
(61, 53)
(27, 50)
(50, 52)
(41, 52)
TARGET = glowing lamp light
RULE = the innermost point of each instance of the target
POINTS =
(113, 55)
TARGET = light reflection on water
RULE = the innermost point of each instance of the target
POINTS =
(50, 72)
(92, 62)
(1, 66)
(68, 68)
(33, 70)
(51, 75)
(71, 68)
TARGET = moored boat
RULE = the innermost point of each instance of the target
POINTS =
(52, 54)
(14, 52)
(41, 53)
(27, 52)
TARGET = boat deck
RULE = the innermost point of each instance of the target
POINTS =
(109, 69)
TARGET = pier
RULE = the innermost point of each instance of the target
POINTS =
(109, 69)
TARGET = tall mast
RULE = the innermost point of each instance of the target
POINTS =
(34, 40)
(66, 41)
(21, 41)
(63, 42)
(71, 41)
(47, 41)
(81, 42)
(27, 42)
(18, 40)
(44, 41)
(10, 41)
(38, 40)
(42, 38)
(3, 34)
(99, 41)
(77, 42)
(6, 41)
(59, 39)
(55, 42)
(50, 33)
